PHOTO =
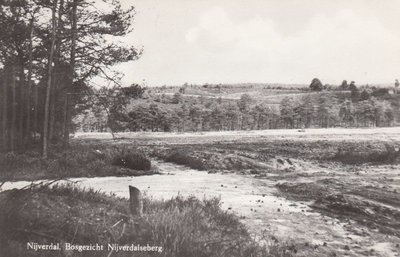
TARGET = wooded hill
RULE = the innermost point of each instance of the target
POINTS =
(227, 107)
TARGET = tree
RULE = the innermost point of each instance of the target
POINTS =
(308, 110)
(287, 111)
(183, 113)
(327, 113)
(261, 116)
(346, 113)
(353, 86)
(344, 85)
(182, 89)
(195, 117)
(384, 114)
(81, 36)
(364, 95)
(177, 98)
(113, 101)
(13, 35)
(365, 113)
(49, 81)
(217, 117)
(232, 115)
(244, 107)
(316, 85)
(4, 113)
(30, 71)
(355, 93)
(244, 102)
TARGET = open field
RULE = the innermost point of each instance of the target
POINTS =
(357, 198)
(266, 96)
(319, 192)
(332, 134)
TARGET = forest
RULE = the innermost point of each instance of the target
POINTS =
(205, 108)
(49, 52)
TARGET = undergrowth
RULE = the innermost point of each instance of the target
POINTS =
(181, 226)
(78, 160)
(186, 158)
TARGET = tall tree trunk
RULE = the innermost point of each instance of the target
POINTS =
(5, 111)
(21, 106)
(58, 72)
(52, 106)
(29, 89)
(36, 112)
(49, 78)
(13, 109)
(71, 70)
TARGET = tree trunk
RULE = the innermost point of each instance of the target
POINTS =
(13, 109)
(71, 70)
(52, 108)
(36, 111)
(49, 78)
(21, 106)
(29, 89)
(57, 73)
(5, 112)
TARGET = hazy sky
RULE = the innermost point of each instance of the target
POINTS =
(283, 41)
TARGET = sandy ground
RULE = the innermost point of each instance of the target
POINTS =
(267, 209)
(385, 134)
(270, 214)
(260, 206)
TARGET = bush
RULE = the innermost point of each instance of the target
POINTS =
(183, 158)
(131, 159)
(364, 153)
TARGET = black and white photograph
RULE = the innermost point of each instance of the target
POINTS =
(199, 128)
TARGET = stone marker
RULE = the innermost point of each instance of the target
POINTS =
(135, 201)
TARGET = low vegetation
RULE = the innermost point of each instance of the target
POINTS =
(131, 159)
(364, 152)
(368, 205)
(181, 226)
(186, 158)
(76, 161)
(271, 155)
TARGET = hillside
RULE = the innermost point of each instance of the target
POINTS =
(246, 107)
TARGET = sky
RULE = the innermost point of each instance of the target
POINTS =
(264, 41)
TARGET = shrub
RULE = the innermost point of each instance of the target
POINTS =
(131, 159)
(363, 153)
(183, 158)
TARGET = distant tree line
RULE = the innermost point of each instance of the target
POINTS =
(310, 110)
